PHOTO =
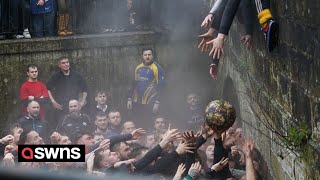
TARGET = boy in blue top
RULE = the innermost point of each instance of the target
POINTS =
(43, 12)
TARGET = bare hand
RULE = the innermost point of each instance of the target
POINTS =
(206, 37)
(105, 144)
(155, 108)
(138, 133)
(248, 147)
(40, 2)
(8, 160)
(234, 150)
(7, 139)
(181, 169)
(57, 105)
(185, 147)
(207, 20)
(206, 131)
(230, 138)
(30, 98)
(246, 40)
(221, 164)
(217, 46)
(129, 105)
(213, 71)
(90, 162)
(195, 170)
(189, 136)
(8, 149)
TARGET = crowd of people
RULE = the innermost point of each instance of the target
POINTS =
(145, 146)
(44, 18)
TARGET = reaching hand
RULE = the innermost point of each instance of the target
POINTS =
(246, 40)
(221, 164)
(206, 37)
(213, 71)
(180, 171)
(185, 147)
(234, 150)
(217, 46)
(90, 163)
(207, 20)
(138, 133)
(230, 138)
(247, 148)
(195, 170)
(8, 149)
(169, 136)
(7, 139)
(105, 144)
(207, 132)
(189, 136)
(8, 160)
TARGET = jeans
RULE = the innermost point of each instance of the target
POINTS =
(43, 24)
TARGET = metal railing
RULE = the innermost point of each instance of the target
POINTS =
(86, 16)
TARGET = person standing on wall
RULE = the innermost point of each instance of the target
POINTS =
(144, 96)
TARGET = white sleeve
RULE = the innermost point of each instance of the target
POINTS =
(216, 6)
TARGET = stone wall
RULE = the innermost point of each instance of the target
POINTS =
(277, 89)
(107, 61)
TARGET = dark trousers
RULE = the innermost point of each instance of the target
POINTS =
(143, 116)
(19, 15)
(43, 24)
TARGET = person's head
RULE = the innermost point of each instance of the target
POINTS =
(30, 138)
(84, 138)
(193, 99)
(101, 98)
(32, 72)
(15, 131)
(123, 149)
(98, 137)
(147, 56)
(57, 138)
(101, 121)
(105, 159)
(209, 152)
(150, 140)
(74, 108)
(114, 118)
(138, 152)
(159, 123)
(33, 109)
(63, 64)
(128, 127)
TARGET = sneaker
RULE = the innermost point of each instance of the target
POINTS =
(19, 36)
(26, 34)
(271, 33)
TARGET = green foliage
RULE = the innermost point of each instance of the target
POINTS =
(297, 136)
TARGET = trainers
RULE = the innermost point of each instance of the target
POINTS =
(26, 34)
(271, 33)
(19, 36)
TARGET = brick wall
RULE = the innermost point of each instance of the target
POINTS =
(281, 87)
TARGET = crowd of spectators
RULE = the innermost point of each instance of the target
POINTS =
(115, 146)
(44, 18)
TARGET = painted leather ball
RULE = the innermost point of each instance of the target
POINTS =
(220, 115)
